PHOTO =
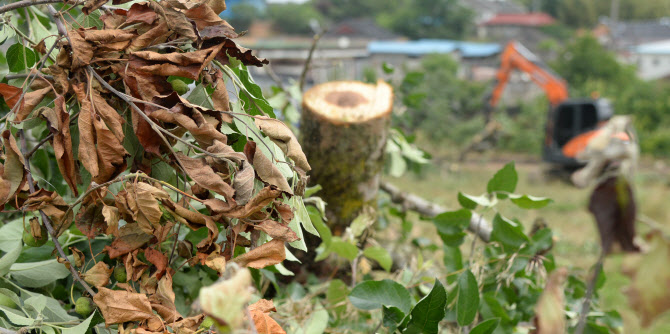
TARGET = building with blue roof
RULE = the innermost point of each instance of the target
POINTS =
(418, 48)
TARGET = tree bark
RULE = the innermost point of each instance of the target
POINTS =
(344, 130)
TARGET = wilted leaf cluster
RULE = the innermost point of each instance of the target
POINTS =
(142, 162)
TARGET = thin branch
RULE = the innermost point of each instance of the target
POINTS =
(586, 305)
(44, 140)
(26, 3)
(478, 225)
(47, 221)
(7, 331)
(303, 75)
(31, 75)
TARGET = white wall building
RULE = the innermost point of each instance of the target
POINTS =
(652, 60)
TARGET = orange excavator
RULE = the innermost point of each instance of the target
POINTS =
(571, 123)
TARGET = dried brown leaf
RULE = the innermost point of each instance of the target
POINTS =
(142, 199)
(156, 35)
(121, 306)
(216, 262)
(204, 16)
(205, 176)
(82, 51)
(108, 35)
(549, 315)
(188, 325)
(158, 259)
(268, 254)
(111, 215)
(91, 5)
(265, 169)
(140, 12)
(98, 275)
(176, 20)
(277, 230)
(111, 154)
(222, 30)
(131, 237)
(11, 94)
(163, 300)
(281, 135)
(13, 171)
(263, 305)
(244, 183)
(58, 123)
(30, 101)
(613, 205)
(232, 210)
(265, 324)
(231, 48)
(90, 221)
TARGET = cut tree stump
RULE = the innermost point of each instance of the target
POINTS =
(344, 130)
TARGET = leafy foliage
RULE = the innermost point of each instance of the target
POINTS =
(169, 187)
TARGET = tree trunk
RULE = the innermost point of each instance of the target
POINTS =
(344, 129)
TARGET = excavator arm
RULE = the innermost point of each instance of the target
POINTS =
(517, 57)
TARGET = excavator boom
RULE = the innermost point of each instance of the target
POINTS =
(517, 57)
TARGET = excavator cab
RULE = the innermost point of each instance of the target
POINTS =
(570, 126)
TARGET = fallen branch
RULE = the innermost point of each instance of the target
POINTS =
(478, 225)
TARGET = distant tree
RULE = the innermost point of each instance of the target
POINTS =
(337, 10)
(586, 60)
(243, 14)
(429, 19)
(293, 18)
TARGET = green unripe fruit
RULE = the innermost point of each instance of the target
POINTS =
(120, 274)
(179, 86)
(207, 323)
(84, 306)
(32, 241)
(7, 302)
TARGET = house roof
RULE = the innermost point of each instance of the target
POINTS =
(525, 19)
(426, 46)
(627, 34)
(656, 48)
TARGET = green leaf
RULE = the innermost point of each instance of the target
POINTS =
(508, 233)
(542, 240)
(343, 248)
(388, 68)
(486, 326)
(379, 254)
(11, 234)
(20, 57)
(82, 328)
(8, 259)
(37, 302)
(468, 298)
(392, 316)
(429, 311)
(17, 319)
(530, 202)
(453, 261)
(252, 95)
(318, 322)
(199, 96)
(90, 20)
(38, 274)
(370, 295)
(503, 181)
(466, 202)
(335, 295)
(451, 226)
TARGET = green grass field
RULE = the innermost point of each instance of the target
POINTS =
(577, 241)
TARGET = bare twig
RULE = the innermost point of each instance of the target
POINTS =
(303, 75)
(44, 140)
(589, 294)
(47, 221)
(478, 225)
(7, 331)
(26, 3)
(31, 75)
